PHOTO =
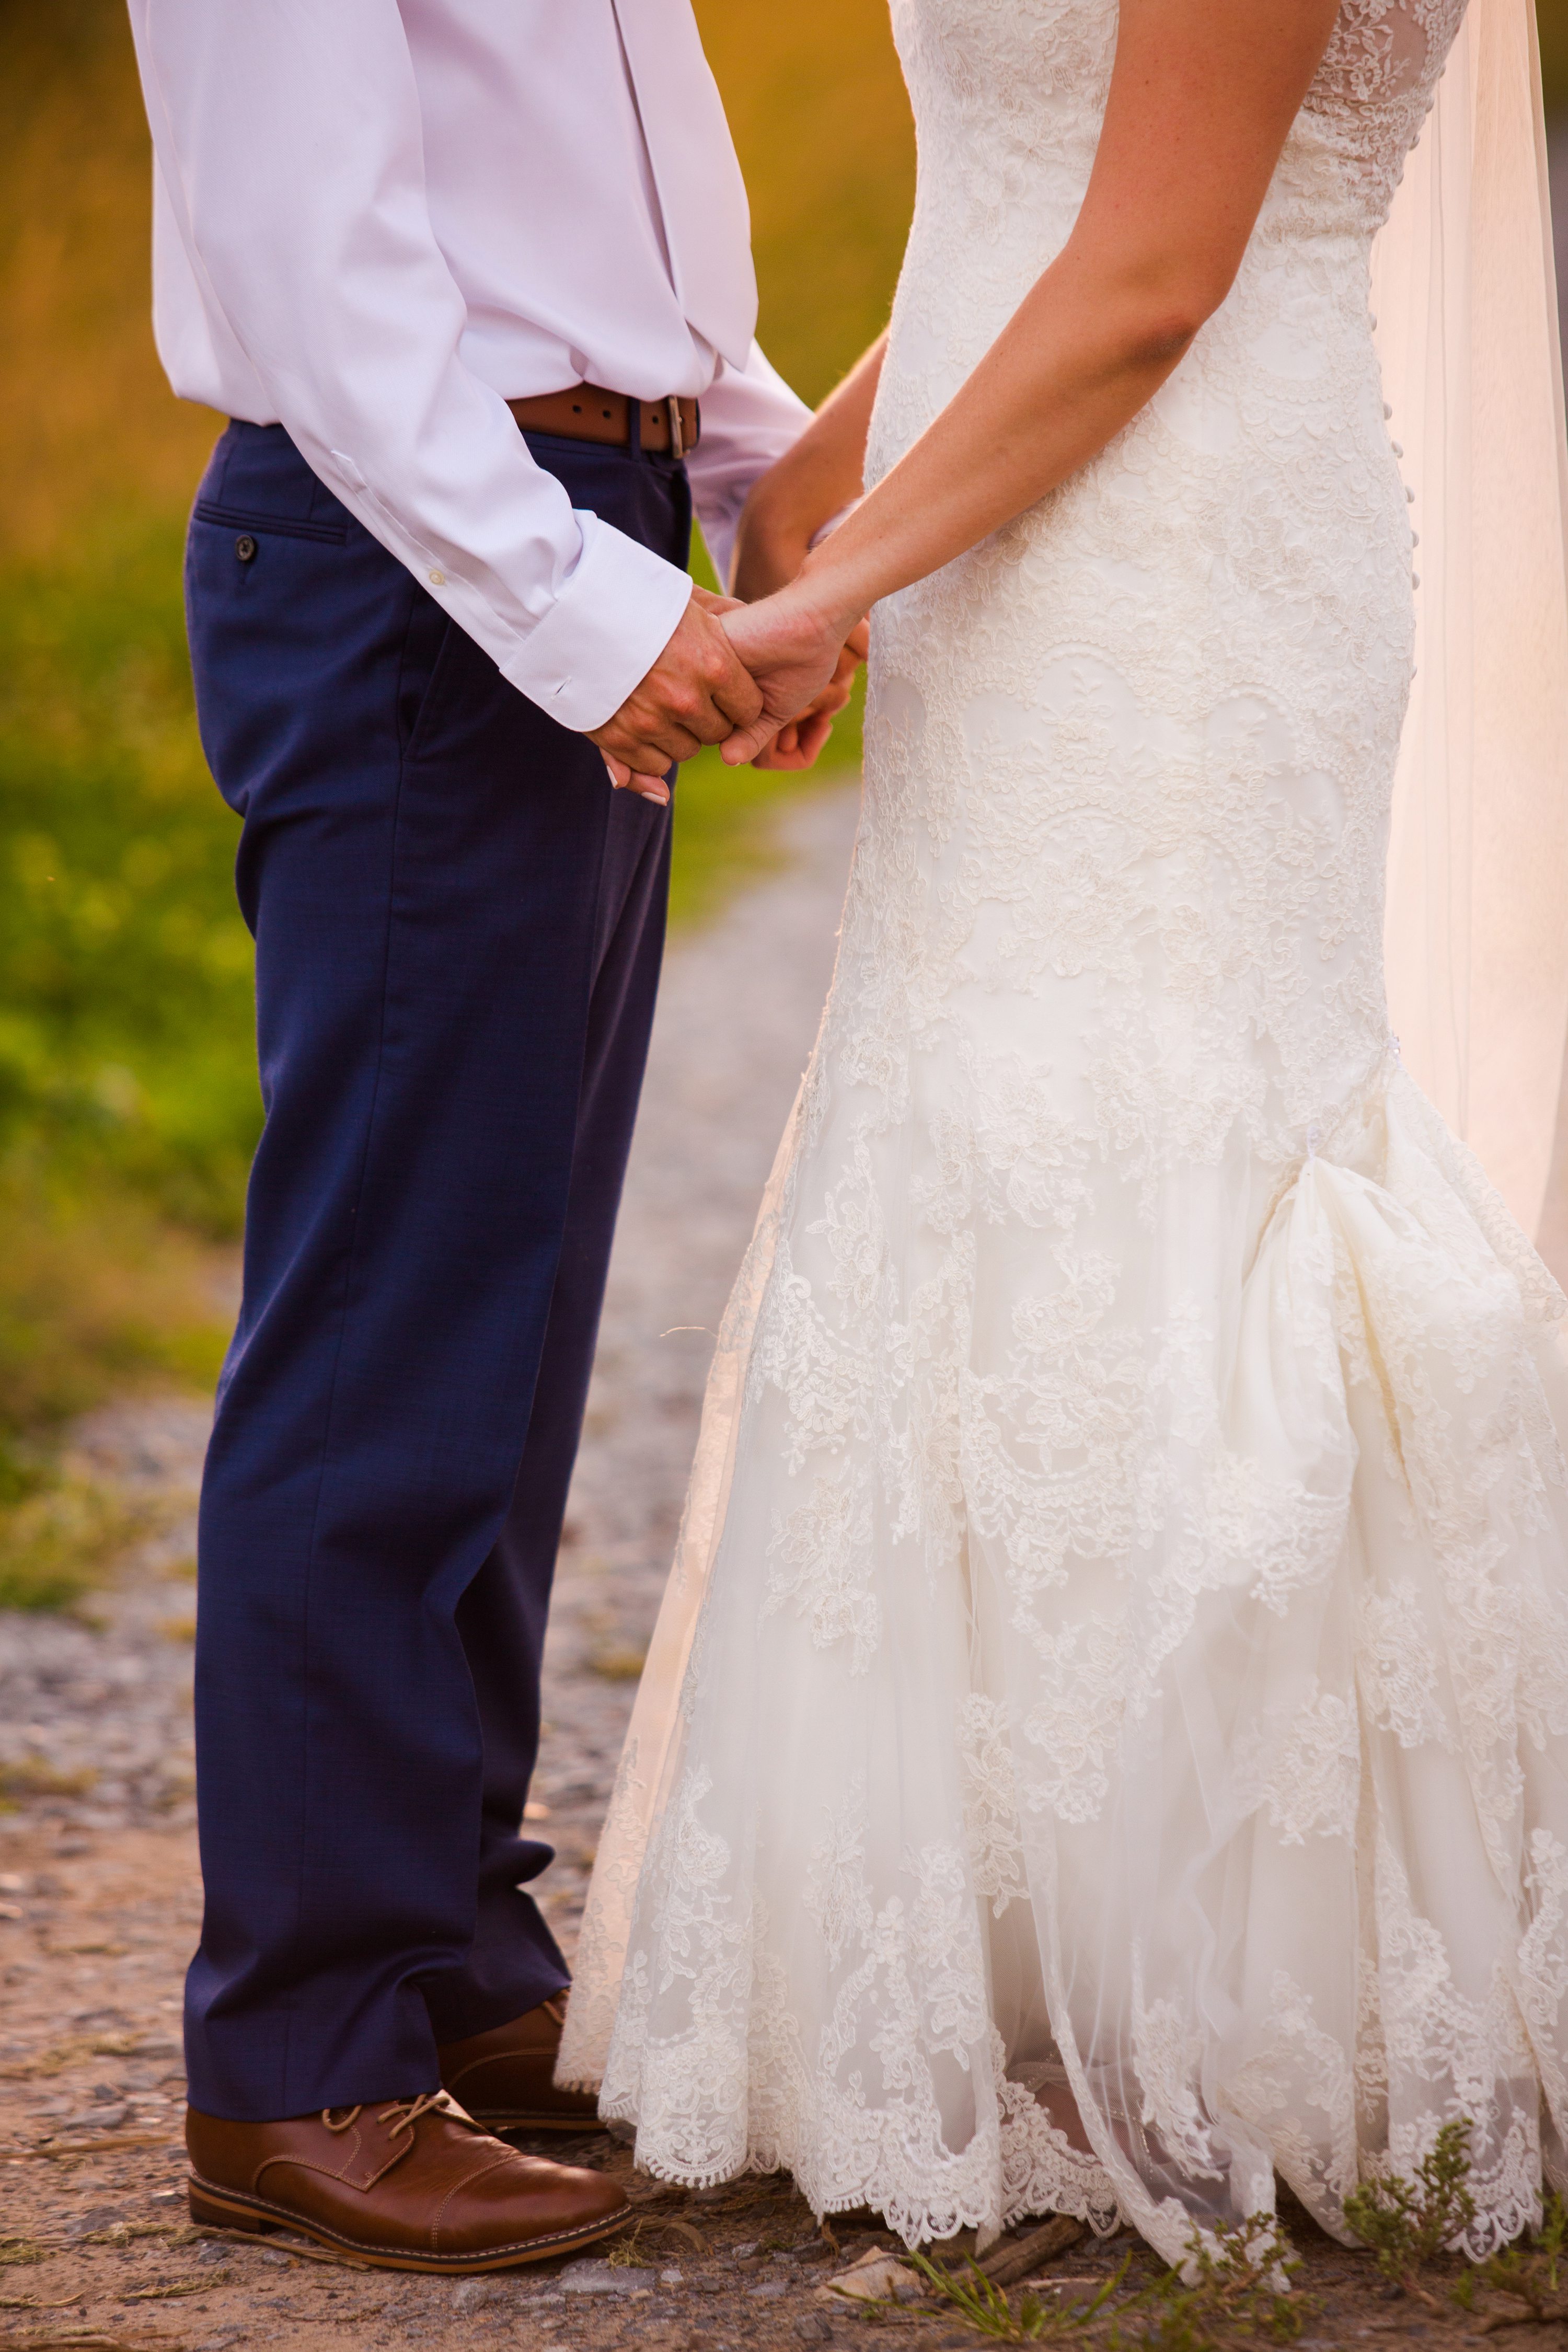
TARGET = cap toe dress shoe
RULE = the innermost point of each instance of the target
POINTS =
(506, 2078)
(410, 2185)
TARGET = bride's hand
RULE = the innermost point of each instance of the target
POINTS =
(805, 662)
(800, 741)
(769, 553)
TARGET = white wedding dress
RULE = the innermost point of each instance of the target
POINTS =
(1130, 1529)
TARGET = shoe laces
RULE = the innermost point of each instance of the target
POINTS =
(402, 2115)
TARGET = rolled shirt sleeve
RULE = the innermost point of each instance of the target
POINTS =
(289, 144)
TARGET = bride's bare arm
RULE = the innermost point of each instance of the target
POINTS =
(809, 485)
(1201, 97)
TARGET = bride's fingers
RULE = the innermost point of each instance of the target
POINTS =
(784, 751)
(798, 745)
(832, 699)
(812, 734)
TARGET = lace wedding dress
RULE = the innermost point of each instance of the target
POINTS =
(1131, 1531)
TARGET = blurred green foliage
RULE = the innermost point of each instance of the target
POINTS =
(125, 1011)
(128, 1101)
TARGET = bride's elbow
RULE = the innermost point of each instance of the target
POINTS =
(1160, 320)
(1159, 341)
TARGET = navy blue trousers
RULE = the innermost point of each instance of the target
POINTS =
(458, 928)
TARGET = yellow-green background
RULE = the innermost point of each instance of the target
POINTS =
(128, 1103)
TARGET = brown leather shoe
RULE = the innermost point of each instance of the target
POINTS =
(506, 2078)
(412, 2186)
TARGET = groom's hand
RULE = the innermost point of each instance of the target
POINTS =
(697, 691)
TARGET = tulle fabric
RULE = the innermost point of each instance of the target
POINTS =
(1338, 1915)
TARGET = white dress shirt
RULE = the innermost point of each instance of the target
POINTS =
(375, 221)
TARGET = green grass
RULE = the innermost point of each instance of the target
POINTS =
(128, 1098)
(125, 971)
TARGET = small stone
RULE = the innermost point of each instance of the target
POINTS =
(769, 2293)
(96, 2218)
(814, 2327)
(672, 2278)
(877, 2277)
(604, 2278)
(743, 2254)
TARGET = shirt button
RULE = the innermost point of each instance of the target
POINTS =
(437, 580)
(244, 547)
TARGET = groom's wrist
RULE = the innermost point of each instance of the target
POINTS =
(606, 626)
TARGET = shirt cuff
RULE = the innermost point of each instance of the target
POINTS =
(606, 629)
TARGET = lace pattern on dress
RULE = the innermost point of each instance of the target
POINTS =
(1136, 1648)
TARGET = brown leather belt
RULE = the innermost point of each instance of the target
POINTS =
(586, 413)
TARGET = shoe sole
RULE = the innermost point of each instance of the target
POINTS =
(221, 2209)
(494, 2123)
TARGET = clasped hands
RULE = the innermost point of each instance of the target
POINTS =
(764, 681)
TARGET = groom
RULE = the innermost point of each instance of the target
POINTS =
(472, 278)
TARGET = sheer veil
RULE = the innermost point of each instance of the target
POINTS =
(1464, 295)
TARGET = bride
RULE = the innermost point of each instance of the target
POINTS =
(1105, 1743)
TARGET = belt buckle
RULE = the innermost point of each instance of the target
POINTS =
(677, 429)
